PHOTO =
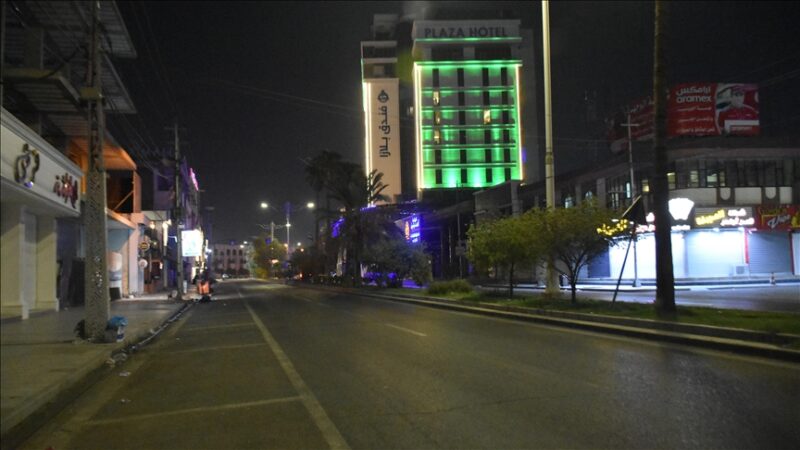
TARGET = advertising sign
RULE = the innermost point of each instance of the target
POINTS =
(383, 131)
(411, 228)
(192, 244)
(724, 217)
(693, 109)
(785, 217)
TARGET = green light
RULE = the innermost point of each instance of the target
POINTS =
(470, 39)
(493, 64)
(470, 90)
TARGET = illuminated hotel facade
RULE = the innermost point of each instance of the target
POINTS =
(454, 87)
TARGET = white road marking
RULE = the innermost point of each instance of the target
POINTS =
(318, 414)
(221, 347)
(215, 327)
(416, 333)
(192, 411)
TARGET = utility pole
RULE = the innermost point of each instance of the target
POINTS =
(665, 278)
(178, 215)
(94, 210)
(551, 286)
(288, 207)
(636, 282)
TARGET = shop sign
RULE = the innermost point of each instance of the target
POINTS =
(724, 217)
(412, 228)
(785, 217)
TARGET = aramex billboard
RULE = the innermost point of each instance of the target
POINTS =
(693, 109)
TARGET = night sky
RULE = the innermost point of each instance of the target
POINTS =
(260, 85)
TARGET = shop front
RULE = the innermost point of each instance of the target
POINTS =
(40, 189)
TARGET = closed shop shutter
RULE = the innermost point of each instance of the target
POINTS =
(714, 254)
(600, 267)
(769, 252)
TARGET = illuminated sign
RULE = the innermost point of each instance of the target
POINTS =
(192, 244)
(721, 217)
(786, 217)
(680, 208)
(382, 115)
(412, 228)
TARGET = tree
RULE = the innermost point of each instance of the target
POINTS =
(356, 191)
(264, 254)
(505, 243)
(319, 173)
(392, 254)
(665, 278)
(572, 236)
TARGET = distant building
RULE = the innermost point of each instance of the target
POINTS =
(229, 259)
(449, 102)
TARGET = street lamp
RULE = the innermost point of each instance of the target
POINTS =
(288, 209)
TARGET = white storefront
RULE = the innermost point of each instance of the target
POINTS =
(39, 185)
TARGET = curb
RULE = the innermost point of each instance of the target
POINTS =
(54, 399)
(717, 338)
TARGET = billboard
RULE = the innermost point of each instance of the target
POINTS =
(693, 109)
(382, 110)
(191, 243)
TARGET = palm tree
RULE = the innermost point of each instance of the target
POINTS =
(356, 191)
(319, 172)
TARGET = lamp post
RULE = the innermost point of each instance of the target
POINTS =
(636, 282)
(288, 209)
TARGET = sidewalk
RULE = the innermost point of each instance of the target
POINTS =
(42, 362)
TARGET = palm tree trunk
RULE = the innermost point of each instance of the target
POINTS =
(665, 279)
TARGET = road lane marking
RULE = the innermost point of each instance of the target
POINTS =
(215, 327)
(416, 333)
(221, 347)
(201, 409)
(318, 414)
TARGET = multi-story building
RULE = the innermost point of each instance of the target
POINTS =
(443, 102)
(229, 259)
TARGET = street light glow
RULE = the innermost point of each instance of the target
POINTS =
(310, 205)
(264, 205)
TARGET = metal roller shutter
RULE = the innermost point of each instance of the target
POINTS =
(769, 252)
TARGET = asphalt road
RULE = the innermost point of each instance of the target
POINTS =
(271, 366)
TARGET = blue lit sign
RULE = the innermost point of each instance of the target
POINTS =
(412, 228)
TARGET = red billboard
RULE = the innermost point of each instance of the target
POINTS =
(784, 217)
(693, 109)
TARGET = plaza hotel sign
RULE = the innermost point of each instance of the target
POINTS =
(467, 29)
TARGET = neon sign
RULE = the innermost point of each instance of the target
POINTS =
(741, 217)
(412, 228)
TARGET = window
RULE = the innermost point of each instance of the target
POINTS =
(487, 117)
(492, 52)
(645, 185)
(488, 175)
(437, 156)
(463, 155)
(486, 98)
(507, 155)
(487, 155)
(437, 117)
(460, 77)
(504, 76)
(462, 118)
(435, 77)
(504, 97)
(437, 137)
(487, 136)
(463, 176)
(485, 73)
(462, 137)
(506, 136)
(671, 180)
(436, 98)
(508, 173)
(438, 176)
(506, 117)
(461, 99)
